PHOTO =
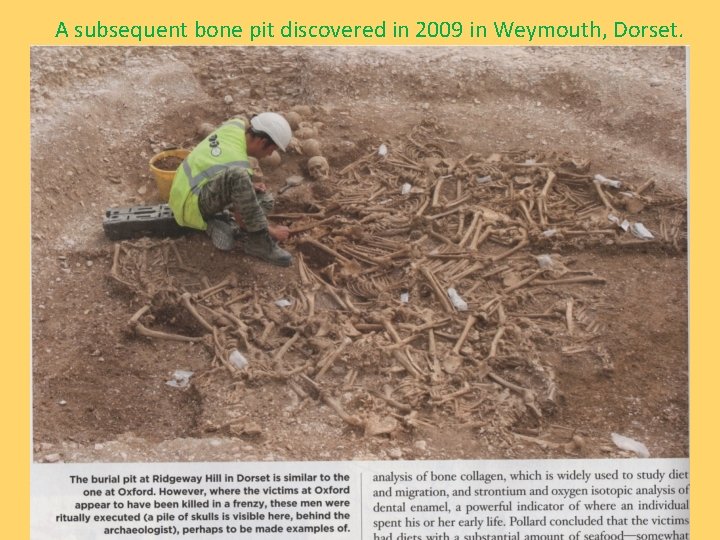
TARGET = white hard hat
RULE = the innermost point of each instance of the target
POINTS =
(275, 126)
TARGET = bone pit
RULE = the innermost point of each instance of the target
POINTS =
(349, 283)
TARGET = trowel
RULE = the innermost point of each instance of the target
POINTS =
(292, 181)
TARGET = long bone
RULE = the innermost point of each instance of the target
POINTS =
(569, 317)
(323, 247)
(479, 237)
(542, 199)
(471, 320)
(521, 244)
(400, 406)
(439, 293)
(329, 359)
(603, 196)
(142, 330)
(523, 282)
(185, 298)
(230, 280)
(474, 224)
(527, 395)
(280, 353)
(352, 420)
(436, 192)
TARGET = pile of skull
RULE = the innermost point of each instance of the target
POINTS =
(304, 143)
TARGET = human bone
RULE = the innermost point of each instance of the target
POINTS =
(205, 129)
(242, 118)
(291, 181)
(302, 110)
(306, 131)
(293, 118)
(273, 160)
(294, 146)
(318, 168)
(310, 147)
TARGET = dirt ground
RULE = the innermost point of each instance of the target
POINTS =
(99, 114)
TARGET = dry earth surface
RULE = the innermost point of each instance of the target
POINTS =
(99, 115)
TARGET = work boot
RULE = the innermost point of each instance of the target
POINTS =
(260, 245)
(221, 234)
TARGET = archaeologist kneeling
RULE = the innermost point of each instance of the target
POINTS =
(217, 174)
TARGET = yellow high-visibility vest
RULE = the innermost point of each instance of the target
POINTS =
(223, 148)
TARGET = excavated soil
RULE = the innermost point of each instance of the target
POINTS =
(100, 114)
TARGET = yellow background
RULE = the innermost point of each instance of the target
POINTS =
(37, 25)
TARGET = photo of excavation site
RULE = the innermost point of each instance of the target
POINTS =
(489, 256)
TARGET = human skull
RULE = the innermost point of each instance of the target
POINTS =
(303, 110)
(310, 147)
(318, 168)
(293, 119)
(205, 129)
(273, 160)
(306, 131)
(242, 118)
(294, 146)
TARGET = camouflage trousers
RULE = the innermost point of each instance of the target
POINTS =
(233, 188)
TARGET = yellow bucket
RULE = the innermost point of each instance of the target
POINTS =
(164, 176)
